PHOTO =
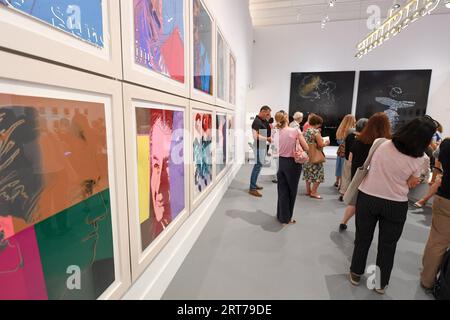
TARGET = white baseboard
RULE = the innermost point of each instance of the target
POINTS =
(152, 284)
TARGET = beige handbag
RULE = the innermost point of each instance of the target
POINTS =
(351, 195)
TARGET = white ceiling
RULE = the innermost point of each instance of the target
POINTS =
(279, 12)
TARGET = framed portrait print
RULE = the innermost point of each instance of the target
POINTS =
(222, 60)
(63, 234)
(156, 44)
(232, 83)
(80, 33)
(221, 147)
(203, 66)
(157, 149)
(231, 140)
(202, 151)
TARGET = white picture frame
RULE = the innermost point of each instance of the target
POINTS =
(138, 97)
(231, 141)
(199, 107)
(44, 41)
(226, 55)
(139, 74)
(25, 76)
(220, 112)
(196, 94)
(232, 83)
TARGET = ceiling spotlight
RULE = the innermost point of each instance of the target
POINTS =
(447, 4)
(332, 3)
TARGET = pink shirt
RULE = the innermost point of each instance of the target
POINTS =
(286, 141)
(389, 172)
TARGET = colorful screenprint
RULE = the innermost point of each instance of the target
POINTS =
(401, 94)
(202, 151)
(160, 154)
(232, 80)
(81, 18)
(221, 68)
(231, 138)
(55, 213)
(221, 142)
(203, 38)
(159, 36)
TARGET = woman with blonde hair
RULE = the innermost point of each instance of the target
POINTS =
(348, 123)
(288, 170)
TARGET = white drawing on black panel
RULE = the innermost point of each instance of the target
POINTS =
(394, 105)
(314, 88)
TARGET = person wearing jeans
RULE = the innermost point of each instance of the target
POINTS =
(260, 158)
(383, 197)
(349, 122)
(260, 136)
(439, 239)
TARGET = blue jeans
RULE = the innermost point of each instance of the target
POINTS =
(339, 166)
(260, 158)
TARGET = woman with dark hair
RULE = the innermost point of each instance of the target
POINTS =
(383, 197)
(314, 172)
(377, 127)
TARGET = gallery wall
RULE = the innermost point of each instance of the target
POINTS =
(281, 50)
(140, 103)
(234, 18)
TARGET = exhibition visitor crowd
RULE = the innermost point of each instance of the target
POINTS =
(375, 171)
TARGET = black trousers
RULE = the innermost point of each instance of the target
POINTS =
(391, 217)
(288, 176)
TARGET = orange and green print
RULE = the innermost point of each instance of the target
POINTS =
(54, 198)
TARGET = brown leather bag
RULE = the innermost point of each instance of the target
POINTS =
(316, 155)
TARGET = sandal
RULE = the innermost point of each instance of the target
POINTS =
(317, 196)
(293, 221)
(418, 205)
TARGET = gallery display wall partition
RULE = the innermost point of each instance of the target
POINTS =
(202, 178)
(158, 148)
(80, 33)
(203, 53)
(64, 216)
(156, 44)
(95, 193)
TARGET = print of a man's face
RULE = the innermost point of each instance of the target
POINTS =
(159, 182)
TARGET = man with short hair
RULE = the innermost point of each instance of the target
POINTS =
(261, 137)
(298, 118)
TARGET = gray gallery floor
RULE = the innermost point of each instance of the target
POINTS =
(244, 253)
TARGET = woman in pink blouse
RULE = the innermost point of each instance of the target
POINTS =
(383, 197)
(289, 171)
